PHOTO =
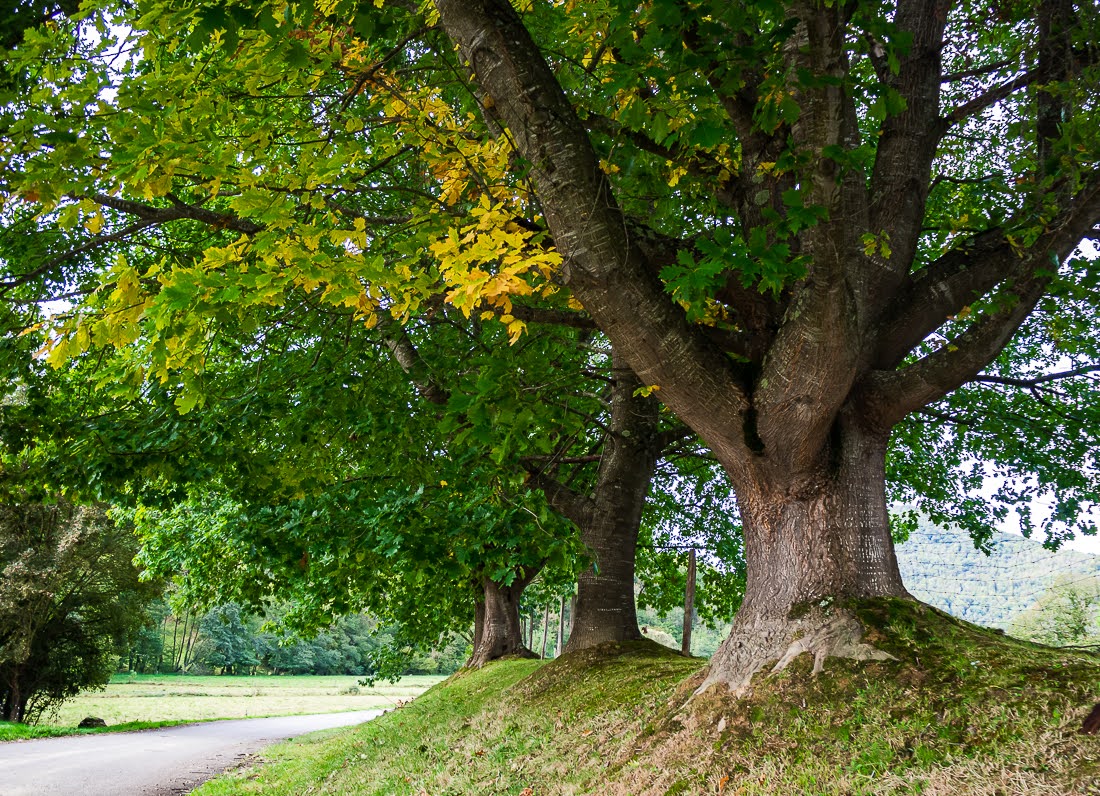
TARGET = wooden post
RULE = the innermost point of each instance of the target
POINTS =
(545, 627)
(561, 627)
(689, 603)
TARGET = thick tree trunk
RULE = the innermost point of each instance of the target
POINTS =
(808, 551)
(501, 634)
(605, 609)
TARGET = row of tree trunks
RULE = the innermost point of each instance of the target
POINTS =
(604, 610)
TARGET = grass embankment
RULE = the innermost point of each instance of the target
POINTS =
(961, 711)
(138, 702)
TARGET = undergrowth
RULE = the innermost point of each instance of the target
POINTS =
(961, 710)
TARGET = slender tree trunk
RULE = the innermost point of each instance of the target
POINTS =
(605, 608)
(806, 552)
(501, 631)
(561, 627)
(175, 655)
(545, 628)
(689, 603)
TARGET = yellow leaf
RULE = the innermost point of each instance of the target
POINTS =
(515, 331)
(94, 223)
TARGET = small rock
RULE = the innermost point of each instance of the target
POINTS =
(91, 722)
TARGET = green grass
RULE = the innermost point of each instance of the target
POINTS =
(22, 732)
(961, 711)
(141, 701)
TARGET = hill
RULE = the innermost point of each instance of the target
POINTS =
(941, 567)
(958, 710)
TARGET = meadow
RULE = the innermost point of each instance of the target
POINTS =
(168, 698)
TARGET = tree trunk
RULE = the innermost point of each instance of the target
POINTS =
(16, 703)
(545, 628)
(689, 604)
(561, 627)
(605, 609)
(501, 631)
(807, 552)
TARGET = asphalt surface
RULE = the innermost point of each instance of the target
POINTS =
(162, 762)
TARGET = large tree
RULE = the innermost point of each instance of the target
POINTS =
(839, 198)
(801, 224)
(69, 593)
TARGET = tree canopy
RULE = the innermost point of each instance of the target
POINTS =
(69, 592)
(839, 241)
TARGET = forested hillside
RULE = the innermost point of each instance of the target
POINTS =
(942, 567)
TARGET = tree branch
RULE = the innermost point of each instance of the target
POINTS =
(1038, 380)
(604, 267)
(406, 355)
(907, 141)
(91, 245)
(178, 210)
(897, 393)
(575, 507)
(991, 97)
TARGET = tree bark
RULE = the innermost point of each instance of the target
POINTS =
(809, 551)
(501, 632)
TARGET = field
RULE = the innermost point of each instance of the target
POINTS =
(159, 698)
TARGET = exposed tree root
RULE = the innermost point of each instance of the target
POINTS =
(755, 643)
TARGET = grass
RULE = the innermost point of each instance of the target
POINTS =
(134, 702)
(23, 732)
(961, 711)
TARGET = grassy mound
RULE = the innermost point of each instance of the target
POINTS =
(960, 711)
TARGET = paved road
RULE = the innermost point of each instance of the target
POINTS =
(163, 762)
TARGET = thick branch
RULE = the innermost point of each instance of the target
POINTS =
(575, 507)
(178, 210)
(603, 265)
(908, 140)
(991, 97)
(895, 394)
(941, 290)
(810, 367)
